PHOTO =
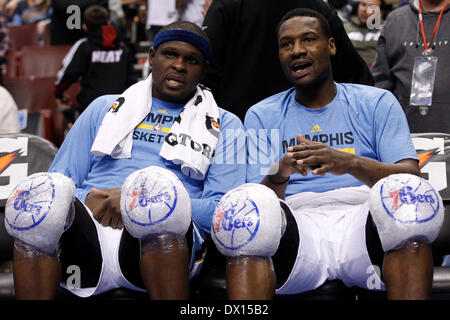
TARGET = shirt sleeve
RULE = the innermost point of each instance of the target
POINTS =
(392, 134)
(74, 158)
(74, 65)
(226, 172)
(259, 148)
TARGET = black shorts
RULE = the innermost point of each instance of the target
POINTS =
(80, 246)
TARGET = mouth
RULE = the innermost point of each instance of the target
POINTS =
(174, 81)
(301, 68)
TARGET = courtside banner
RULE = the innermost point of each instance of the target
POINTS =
(433, 150)
(20, 156)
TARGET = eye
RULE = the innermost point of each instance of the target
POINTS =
(169, 54)
(285, 44)
(309, 39)
(192, 60)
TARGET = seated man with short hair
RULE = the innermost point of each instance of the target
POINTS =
(329, 143)
(148, 160)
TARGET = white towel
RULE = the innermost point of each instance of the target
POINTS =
(198, 123)
(198, 120)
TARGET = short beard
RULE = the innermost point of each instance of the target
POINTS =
(316, 83)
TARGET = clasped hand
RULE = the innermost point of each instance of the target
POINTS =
(105, 206)
(316, 157)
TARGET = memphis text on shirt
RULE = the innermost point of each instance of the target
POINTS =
(263, 147)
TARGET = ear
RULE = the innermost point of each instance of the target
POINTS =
(331, 46)
(85, 28)
(151, 56)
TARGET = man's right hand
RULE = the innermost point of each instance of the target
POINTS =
(288, 164)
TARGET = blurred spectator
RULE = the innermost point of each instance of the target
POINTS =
(162, 12)
(60, 33)
(244, 66)
(9, 116)
(117, 16)
(116, 11)
(400, 42)
(5, 43)
(159, 13)
(363, 33)
(9, 6)
(31, 11)
(103, 63)
(205, 6)
(193, 12)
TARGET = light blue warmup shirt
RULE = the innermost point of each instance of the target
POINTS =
(363, 120)
(75, 160)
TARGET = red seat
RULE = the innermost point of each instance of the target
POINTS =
(14, 59)
(32, 93)
(30, 80)
(36, 94)
(42, 61)
(46, 35)
(26, 34)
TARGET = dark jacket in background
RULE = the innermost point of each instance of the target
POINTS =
(60, 34)
(399, 43)
(245, 67)
(103, 63)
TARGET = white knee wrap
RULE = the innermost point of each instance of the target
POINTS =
(248, 221)
(37, 211)
(405, 208)
(154, 201)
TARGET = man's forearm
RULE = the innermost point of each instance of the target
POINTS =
(277, 184)
(369, 171)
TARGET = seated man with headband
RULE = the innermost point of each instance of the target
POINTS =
(131, 193)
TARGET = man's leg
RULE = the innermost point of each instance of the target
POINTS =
(263, 275)
(408, 272)
(36, 214)
(250, 278)
(36, 274)
(397, 273)
(407, 215)
(165, 267)
(144, 265)
(254, 232)
(159, 264)
(159, 218)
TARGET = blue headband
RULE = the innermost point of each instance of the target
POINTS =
(185, 36)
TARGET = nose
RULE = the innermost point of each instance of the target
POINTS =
(298, 49)
(179, 64)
